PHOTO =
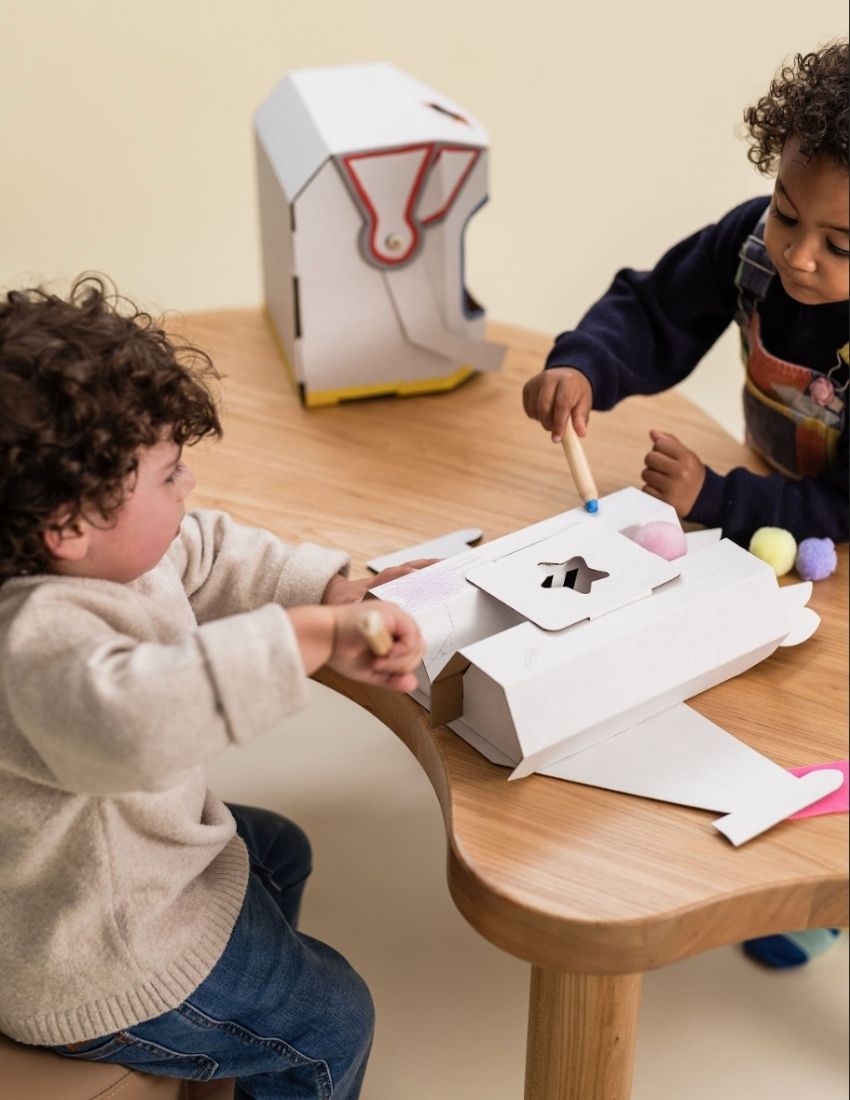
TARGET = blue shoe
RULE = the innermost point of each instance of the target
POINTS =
(791, 949)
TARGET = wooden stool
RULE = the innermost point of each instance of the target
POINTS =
(32, 1073)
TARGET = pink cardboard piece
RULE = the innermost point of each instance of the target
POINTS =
(836, 803)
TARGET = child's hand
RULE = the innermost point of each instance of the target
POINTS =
(352, 656)
(341, 590)
(555, 395)
(673, 473)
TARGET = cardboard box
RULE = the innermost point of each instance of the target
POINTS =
(567, 649)
(367, 179)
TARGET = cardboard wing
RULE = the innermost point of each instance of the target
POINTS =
(680, 756)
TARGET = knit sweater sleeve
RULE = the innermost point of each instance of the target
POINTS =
(228, 568)
(107, 713)
(742, 501)
(651, 328)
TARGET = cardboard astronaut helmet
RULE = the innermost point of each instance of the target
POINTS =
(367, 179)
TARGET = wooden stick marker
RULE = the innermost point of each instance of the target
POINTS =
(579, 468)
(371, 626)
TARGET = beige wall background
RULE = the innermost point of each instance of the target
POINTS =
(127, 142)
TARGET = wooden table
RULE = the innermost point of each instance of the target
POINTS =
(590, 886)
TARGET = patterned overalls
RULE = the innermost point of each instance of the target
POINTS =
(794, 415)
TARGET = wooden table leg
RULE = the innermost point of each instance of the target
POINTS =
(581, 1035)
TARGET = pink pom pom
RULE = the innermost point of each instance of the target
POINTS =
(667, 540)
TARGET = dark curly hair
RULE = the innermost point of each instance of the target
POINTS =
(809, 100)
(85, 382)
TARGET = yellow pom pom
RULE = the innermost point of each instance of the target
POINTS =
(775, 546)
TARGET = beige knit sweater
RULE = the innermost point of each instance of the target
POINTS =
(121, 876)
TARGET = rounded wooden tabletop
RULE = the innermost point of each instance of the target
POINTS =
(569, 877)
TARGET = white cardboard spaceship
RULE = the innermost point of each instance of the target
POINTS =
(367, 180)
(567, 649)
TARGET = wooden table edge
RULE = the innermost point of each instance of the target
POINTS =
(547, 938)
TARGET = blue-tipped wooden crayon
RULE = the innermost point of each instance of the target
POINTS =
(579, 468)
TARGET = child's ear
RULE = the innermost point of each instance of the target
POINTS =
(67, 539)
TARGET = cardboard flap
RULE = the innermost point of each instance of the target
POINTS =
(698, 540)
(385, 184)
(761, 814)
(582, 573)
(796, 595)
(418, 311)
(803, 621)
(445, 546)
(804, 624)
(452, 165)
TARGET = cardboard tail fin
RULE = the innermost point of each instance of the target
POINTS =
(744, 824)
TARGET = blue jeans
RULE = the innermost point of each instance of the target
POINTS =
(282, 1013)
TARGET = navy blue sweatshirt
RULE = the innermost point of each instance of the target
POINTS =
(651, 329)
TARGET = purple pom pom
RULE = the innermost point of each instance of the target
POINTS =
(816, 559)
(667, 540)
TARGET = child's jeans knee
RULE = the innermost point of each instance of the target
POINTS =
(280, 855)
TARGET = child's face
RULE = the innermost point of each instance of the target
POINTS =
(146, 524)
(806, 235)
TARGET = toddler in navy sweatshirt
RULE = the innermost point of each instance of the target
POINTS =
(777, 266)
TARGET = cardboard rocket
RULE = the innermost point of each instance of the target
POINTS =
(367, 179)
(569, 650)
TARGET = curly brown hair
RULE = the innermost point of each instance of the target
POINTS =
(808, 100)
(85, 382)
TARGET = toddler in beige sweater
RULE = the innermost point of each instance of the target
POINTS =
(142, 920)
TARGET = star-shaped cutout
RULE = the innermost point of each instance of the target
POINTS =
(574, 573)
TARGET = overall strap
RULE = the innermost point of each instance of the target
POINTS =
(755, 271)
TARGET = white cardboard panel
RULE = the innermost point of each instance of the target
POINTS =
(418, 310)
(446, 581)
(350, 332)
(388, 180)
(760, 815)
(601, 702)
(490, 752)
(677, 756)
(315, 113)
(448, 629)
(278, 261)
(440, 253)
(698, 540)
(724, 573)
(680, 756)
(687, 637)
(806, 623)
(797, 594)
(445, 546)
(288, 134)
(516, 579)
(447, 176)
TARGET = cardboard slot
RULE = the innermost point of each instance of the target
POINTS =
(445, 111)
(471, 306)
(296, 303)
